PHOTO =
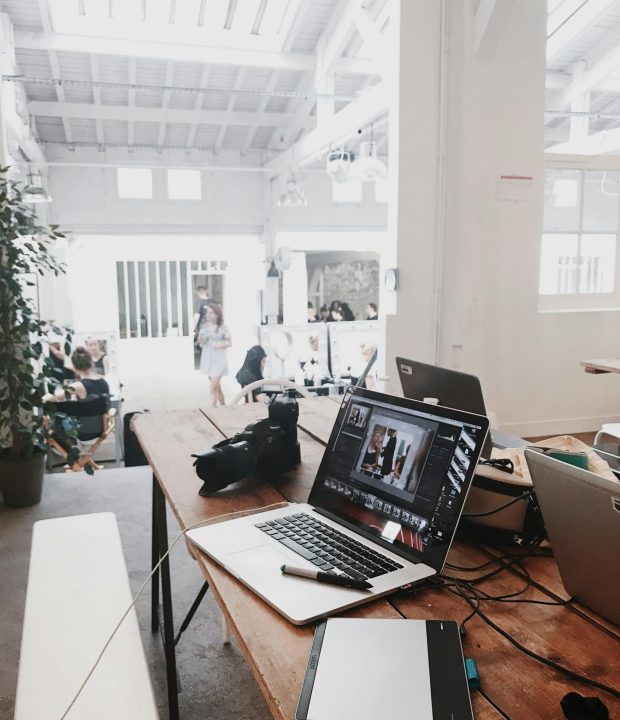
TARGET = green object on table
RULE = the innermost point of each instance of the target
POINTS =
(473, 679)
(579, 459)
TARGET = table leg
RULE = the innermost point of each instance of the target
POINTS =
(154, 560)
(166, 592)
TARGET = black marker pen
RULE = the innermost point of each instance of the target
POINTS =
(325, 577)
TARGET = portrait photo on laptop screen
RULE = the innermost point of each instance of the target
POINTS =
(399, 474)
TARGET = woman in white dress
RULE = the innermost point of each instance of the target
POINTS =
(214, 338)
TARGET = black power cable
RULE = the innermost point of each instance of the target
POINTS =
(526, 495)
(530, 653)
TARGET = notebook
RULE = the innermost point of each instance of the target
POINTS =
(379, 668)
(581, 512)
(384, 507)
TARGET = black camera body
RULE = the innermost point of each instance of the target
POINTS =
(266, 446)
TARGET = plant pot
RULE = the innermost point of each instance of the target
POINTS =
(21, 480)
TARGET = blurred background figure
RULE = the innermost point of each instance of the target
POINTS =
(101, 362)
(57, 361)
(88, 382)
(324, 313)
(214, 339)
(312, 316)
(367, 351)
(372, 312)
(252, 370)
(346, 312)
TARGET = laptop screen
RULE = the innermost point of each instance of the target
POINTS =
(398, 471)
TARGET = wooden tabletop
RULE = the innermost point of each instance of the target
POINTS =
(601, 365)
(277, 652)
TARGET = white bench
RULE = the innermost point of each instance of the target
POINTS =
(78, 590)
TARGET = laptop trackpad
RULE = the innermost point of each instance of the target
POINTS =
(261, 563)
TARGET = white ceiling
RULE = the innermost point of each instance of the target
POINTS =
(583, 42)
(202, 76)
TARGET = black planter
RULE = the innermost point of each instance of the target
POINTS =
(21, 480)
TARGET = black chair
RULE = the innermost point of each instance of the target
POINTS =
(95, 421)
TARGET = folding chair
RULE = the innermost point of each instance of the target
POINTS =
(95, 421)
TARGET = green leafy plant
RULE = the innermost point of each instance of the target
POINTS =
(26, 249)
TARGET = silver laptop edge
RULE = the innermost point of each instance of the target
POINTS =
(581, 512)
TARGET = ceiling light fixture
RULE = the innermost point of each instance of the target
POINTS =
(293, 195)
(273, 270)
(34, 192)
(368, 167)
(339, 163)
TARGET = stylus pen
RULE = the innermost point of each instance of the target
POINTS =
(326, 577)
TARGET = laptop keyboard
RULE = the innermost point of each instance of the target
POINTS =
(328, 549)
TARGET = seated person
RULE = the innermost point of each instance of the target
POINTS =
(252, 370)
(89, 387)
(88, 383)
(56, 360)
(100, 359)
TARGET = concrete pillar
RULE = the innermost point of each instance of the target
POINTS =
(413, 164)
(470, 114)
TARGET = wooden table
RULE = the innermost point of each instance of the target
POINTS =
(601, 365)
(277, 652)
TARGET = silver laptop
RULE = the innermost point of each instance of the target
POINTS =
(384, 506)
(581, 511)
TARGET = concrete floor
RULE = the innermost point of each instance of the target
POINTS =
(216, 682)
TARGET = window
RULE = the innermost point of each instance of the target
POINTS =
(184, 184)
(155, 298)
(135, 183)
(347, 192)
(578, 251)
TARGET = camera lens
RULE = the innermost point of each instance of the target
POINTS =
(225, 465)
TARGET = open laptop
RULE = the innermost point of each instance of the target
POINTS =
(581, 511)
(451, 388)
(384, 507)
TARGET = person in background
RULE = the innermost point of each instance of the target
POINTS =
(367, 351)
(312, 316)
(372, 312)
(57, 361)
(214, 339)
(252, 370)
(101, 361)
(324, 314)
(346, 312)
(88, 384)
(334, 311)
(202, 302)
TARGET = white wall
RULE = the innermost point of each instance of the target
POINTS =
(489, 322)
(86, 200)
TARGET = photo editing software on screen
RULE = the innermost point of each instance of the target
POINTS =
(398, 474)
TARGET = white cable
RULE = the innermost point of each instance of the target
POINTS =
(241, 513)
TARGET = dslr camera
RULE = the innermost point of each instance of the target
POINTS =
(266, 446)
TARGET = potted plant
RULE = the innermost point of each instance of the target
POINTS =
(25, 376)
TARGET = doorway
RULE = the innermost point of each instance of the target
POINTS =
(214, 285)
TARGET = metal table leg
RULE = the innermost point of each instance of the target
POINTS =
(161, 525)
(154, 560)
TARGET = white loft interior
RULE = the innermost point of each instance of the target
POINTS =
(167, 131)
